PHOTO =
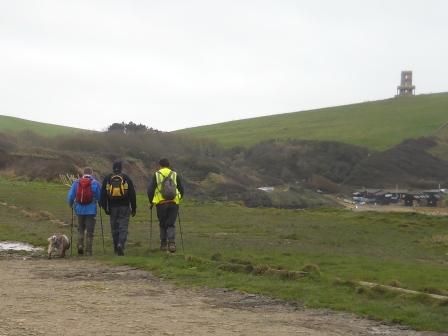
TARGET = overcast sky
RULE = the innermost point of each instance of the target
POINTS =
(176, 64)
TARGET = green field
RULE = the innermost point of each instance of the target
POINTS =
(230, 246)
(377, 125)
(11, 124)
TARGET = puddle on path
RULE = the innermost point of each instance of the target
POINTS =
(18, 246)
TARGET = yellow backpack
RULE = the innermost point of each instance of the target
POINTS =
(117, 187)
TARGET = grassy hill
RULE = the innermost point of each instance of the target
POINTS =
(377, 125)
(11, 124)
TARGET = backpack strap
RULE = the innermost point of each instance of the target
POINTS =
(164, 177)
(113, 175)
(158, 179)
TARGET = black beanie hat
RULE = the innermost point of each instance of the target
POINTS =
(164, 163)
(116, 167)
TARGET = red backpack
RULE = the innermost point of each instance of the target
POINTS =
(84, 194)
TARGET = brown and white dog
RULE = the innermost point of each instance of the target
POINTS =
(58, 243)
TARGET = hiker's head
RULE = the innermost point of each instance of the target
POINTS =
(164, 163)
(88, 171)
(116, 167)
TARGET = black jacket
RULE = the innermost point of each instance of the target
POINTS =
(131, 200)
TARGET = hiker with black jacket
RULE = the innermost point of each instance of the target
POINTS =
(165, 191)
(118, 200)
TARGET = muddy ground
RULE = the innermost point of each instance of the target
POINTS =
(435, 211)
(82, 297)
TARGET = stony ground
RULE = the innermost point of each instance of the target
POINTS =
(81, 297)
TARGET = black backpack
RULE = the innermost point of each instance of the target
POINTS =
(168, 187)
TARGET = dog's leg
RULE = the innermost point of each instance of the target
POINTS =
(50, 249)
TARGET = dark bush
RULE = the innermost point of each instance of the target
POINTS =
(295, 160)
(8, 143)
(256, 198)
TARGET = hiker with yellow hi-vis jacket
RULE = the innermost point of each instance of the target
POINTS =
(165, 191)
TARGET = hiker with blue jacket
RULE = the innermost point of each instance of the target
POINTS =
(83, 196)
(165, 191)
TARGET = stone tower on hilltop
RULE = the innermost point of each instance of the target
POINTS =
(406, 88)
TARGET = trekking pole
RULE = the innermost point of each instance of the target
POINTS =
(150, 228)
(102, 231)
(181, 235)
(71, 235)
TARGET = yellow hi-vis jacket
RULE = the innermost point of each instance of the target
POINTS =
(160, 175)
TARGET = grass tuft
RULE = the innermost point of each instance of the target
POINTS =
(312, 270)
(396, 283)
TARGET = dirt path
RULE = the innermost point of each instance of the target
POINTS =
(400, 208)
(80, 297)
(435, 211)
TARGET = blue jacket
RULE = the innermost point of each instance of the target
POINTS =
(87, 209)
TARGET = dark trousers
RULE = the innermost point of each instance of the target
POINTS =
(86, 226)
(119, 223)
(167, 215)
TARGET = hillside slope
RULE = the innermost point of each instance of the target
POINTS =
(377, 125)
(208, 171)
(13, 125)
(416, 163)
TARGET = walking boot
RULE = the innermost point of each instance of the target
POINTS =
(172, 247)
(163, 246)
(80, 245)
(89, 242)
(120, 250)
